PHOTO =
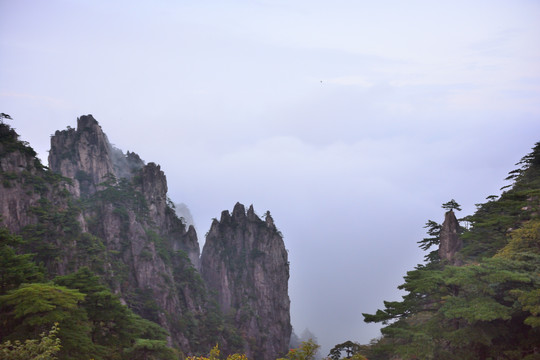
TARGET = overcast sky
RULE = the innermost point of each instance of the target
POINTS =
(351, 121)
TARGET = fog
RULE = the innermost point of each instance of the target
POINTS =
(351, 122)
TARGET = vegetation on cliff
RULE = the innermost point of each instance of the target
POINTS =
(110, 262)
(487, 307)
(107, 271)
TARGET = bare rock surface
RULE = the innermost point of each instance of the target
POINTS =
(98, 207)
(450, 243)
(245, 261)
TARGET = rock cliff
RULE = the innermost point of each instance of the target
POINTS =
(245, 261)
(107, 210)
(450, 243)
(17, 167)
(86, 156)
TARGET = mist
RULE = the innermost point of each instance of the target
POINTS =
(350, 122)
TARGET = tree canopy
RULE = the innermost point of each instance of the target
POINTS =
(490, 306)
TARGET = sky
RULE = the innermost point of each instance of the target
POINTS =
(351, 121)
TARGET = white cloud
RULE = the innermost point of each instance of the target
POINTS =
(420, 102)
(350, 80)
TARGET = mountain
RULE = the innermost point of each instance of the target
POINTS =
(242, 249)
(99, 209)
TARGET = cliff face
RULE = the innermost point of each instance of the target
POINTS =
(450, 243)
(82, 154)
(245, 261)
(109, 211)
(86, 156)
(125, 205)
(16, 197)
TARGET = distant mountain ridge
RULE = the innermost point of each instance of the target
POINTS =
(96, 207)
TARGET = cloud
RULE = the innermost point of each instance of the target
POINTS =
(419, 103)
(350, 80)
(36, 100)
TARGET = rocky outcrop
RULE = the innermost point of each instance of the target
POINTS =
(86, 156)
(25, 184)
(16, 199)
(107, 210)
(245, 261)
(83, 154)
(152, 183)
(127, 207)
(450, 242)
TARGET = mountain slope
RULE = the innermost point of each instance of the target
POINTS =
(489, 306)
(100, 209)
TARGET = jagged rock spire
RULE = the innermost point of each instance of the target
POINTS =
(244, 261)
(450, 243)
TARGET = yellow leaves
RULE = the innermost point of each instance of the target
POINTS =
(306, 351)
(237, 357)
(214, 355)
(525, 239)
(44, 348)
(358, 357)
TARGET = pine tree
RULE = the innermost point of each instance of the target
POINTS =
(490, 306)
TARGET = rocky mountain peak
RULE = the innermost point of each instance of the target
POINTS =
(86, 156)
(127, 230)
(244, 261)
(239, 212)
(82, 154)
(450, 243)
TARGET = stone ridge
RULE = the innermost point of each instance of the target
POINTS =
(244, 261)
(149, 257)
(86, 156)
(17, 198)
(83, 154)
(145, 233)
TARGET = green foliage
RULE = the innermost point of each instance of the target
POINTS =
(528, 174)
(160, 244)
(215, 355)
(146, 349)
(496, 219)
(451, 205)
(307, 351)
(490, 306)
(350, 348)
(143, 302)
(15, 269)
(43, 349)
(434, 231)
(53, 233)
(109, 319)
(32, 308)
(39, 304)
(122, 195)
(530, 302)
(93, 322)
(523, 242)
(90, 251)
(9, 141)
